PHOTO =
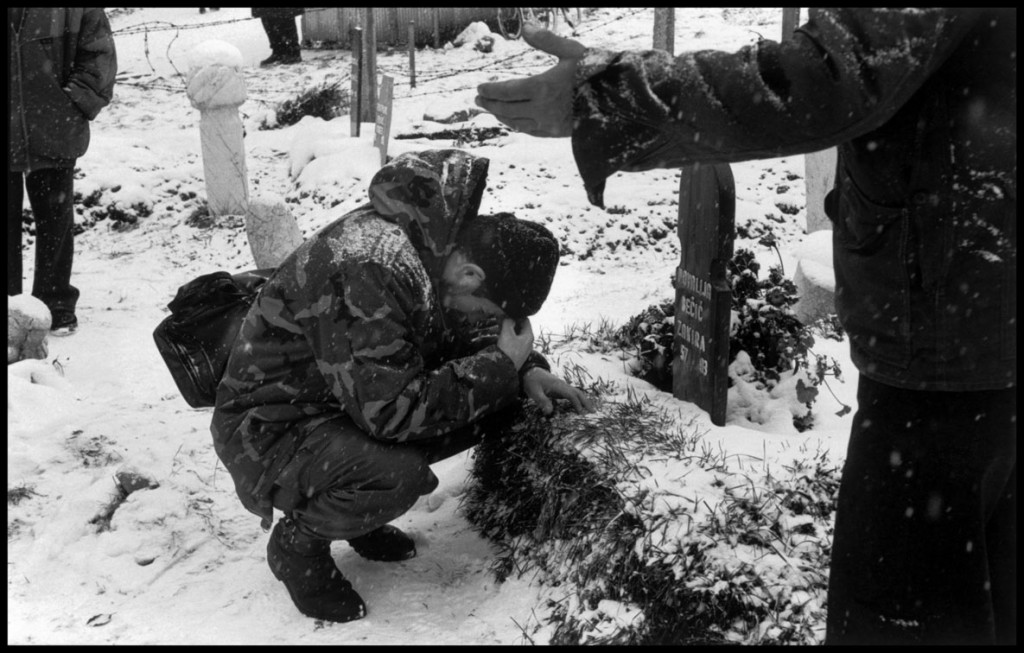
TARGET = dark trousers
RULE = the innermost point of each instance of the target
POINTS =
(51, 196)
(344, 483)
(283, 35)
(924, 550)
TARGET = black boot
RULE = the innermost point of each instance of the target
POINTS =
(305, 566)
(385, 544)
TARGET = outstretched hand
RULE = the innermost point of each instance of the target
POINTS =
(540, 105)
(543, 387)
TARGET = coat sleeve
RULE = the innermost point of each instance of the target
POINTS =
(368, 348)
(91, 84)
(842, 74)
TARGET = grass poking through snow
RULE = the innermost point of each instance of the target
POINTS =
(724, 551)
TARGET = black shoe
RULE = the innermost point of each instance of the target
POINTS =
(63, 323)
(385, 544)
(305, 566)
(280, 59)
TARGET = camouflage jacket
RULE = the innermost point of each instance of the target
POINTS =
(922, 107)
(350, 328)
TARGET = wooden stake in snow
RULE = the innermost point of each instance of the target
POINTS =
(412, 54)
(700, 350)
(664, 29)
(790, 19)
(356, 98)
(368, 112)
(382, 126)
(215, 87)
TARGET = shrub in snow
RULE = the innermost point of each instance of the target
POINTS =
(327, 101)
(723, 556)
(774, 345)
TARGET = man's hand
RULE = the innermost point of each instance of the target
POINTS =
(517, 345)
(542, 386)
(540, 105)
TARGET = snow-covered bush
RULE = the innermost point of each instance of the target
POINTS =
(764, 332)
(574, 499)
(327, 101)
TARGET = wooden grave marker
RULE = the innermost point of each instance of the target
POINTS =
(700, 348)
(382, 126)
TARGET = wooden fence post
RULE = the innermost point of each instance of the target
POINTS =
(700, 349)
(355, 100)
(394, 27)
(790, 19)
(436, 16)
(665, 29)
(819, 167)
(369, 76)
(412, 54)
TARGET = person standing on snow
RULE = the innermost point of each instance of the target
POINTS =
(62, 65)
(279, 24)
(922, 105)
(369, 355)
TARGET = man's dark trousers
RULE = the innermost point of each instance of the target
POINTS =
(51, 196)
(283, 36)
(924, 550)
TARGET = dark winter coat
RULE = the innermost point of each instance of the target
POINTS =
(922, 104)
(274, 12)
(350, 329)
(62, 65)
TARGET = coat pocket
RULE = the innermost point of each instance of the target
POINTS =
(860, 223)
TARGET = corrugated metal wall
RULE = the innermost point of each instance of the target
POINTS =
(331, 25)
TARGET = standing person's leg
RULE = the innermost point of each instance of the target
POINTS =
(15, 199)
(1002, 559)
(270, 26)
(51, 194)
(290, 38)
(923, 475)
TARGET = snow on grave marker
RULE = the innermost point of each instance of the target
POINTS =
(215, 86)
(382, 127)
(707, 208)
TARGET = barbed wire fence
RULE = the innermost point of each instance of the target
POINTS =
(162, 84)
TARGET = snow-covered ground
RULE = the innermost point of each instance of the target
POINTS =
(183, 563)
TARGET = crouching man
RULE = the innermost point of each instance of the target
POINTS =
(395, 337)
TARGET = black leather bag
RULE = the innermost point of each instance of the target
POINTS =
(195, 340)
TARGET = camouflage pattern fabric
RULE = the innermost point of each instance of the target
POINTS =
(350, 329)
